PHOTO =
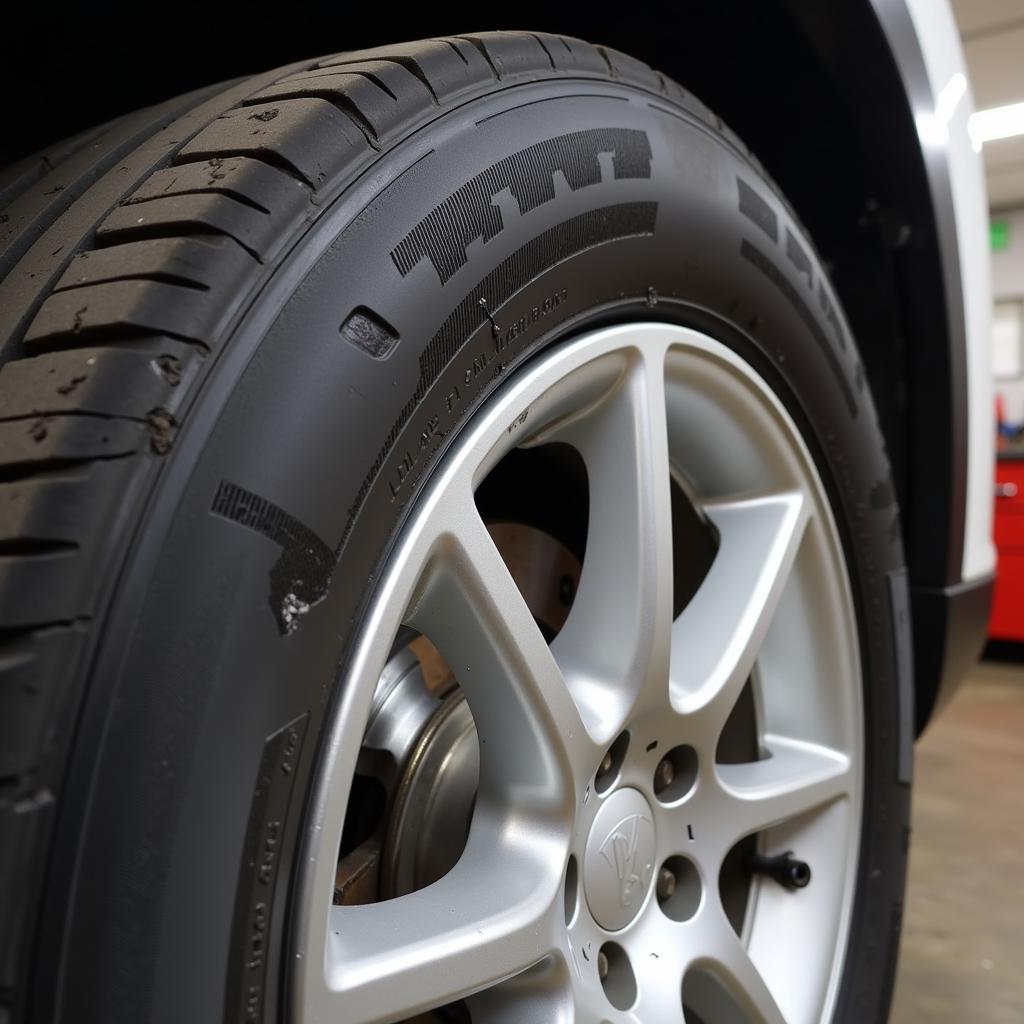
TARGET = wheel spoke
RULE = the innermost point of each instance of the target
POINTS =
(542, 993)
(616, 639)
(532, 738)
(716, 639)
(795, 778)
(592, 1007)
(729, 963)
(488, 919)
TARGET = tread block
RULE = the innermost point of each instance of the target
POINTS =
(32, 667)
(202, 262)
(32, 214)
(447, 67)
(256, 231)
(44, 510)
(630, 69)
(383, 97)
(44, 523)
(122, 309)
(238, 177)
(100, 381)
(405, 97)
(24, 825)
(570, 54)
(42, 588)
(309, 137)
(17, 178)
(35, 670)
(511, 54)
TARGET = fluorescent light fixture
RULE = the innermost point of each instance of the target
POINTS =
(996, 123)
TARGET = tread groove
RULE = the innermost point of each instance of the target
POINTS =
(544, 47)
(162, 278)
(109, 335)
(159, 117)
(413, 67)
(458, 52)
(36, 547)
(8, 633)
(77, 414)
(371, 77)
(482, 48)
(143, 232)
(228, 193)
(604, 55)
(55, 467)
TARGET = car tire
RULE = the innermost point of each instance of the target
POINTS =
(243, 331)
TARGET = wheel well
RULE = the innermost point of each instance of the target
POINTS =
(814, 90)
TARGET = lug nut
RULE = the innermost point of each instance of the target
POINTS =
(602, 965)
(666, 884)
(664, 774)
(606, 764)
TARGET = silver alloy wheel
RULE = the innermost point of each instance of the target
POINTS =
(775, 608)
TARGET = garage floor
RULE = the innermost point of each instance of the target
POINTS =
(963, 937)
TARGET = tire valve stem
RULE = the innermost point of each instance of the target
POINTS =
(789, 872)
(495, 329)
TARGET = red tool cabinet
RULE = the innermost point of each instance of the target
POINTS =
(1007, 622)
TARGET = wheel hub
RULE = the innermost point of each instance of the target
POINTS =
(619, 860)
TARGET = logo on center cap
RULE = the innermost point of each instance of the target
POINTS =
(629, 856)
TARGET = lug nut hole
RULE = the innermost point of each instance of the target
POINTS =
(611, 764)
(675, 774)
(616, 974)
(572, 889)
(678, 888)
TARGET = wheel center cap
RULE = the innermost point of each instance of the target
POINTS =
(619, 860)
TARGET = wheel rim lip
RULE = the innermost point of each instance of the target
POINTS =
(482, 442)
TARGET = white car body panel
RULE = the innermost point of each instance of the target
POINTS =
(945, 125)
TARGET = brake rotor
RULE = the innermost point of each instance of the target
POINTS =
(421, 743)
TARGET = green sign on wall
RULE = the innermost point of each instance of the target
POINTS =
(999, 235)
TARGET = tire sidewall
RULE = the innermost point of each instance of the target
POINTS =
(183, 840)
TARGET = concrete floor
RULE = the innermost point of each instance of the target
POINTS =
(963, 936)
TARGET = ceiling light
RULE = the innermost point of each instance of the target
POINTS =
(996, 123)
